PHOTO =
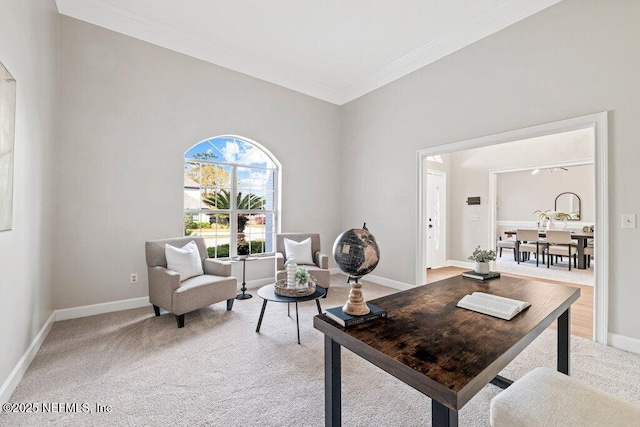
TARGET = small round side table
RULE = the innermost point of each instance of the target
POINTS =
(268, 293)
(244, 295)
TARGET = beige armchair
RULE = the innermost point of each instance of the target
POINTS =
(320, 268)
(168, 292)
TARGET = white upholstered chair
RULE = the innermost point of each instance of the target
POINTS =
(588, 253)
(506, 244)
(320, 267)
(544, 398)
(559, 244)
(527, 242)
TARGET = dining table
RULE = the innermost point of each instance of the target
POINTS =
(581, 236)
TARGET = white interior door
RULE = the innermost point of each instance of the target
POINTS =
(436, 218)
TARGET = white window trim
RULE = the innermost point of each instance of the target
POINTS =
(233, 212)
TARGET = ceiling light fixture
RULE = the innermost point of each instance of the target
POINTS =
(551, 170)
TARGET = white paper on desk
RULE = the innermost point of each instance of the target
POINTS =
(493, 305)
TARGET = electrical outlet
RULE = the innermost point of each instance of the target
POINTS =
(473, 217)
(134, 278)
(628, 220)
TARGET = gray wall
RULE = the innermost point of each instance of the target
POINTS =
(28, 34)
(573, 59)
(519, 194)
(131, 110)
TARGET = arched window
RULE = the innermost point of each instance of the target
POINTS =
(231, 196)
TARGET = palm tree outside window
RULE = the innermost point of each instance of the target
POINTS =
(231, 188)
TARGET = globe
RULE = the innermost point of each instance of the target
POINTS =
(356, 252)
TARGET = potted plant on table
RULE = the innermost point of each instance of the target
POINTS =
(549, 216)
(482, 258)
(303, 278)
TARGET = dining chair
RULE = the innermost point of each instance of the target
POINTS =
(527, 243)
(559, 244)
(506, 244)
(588, 253)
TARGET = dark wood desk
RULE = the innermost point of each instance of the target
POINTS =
(447, 353)
(580, 236)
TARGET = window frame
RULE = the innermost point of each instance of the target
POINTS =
(233, 212)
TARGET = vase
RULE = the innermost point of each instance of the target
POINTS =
(291, 268)
(550, 225)
(481, 267)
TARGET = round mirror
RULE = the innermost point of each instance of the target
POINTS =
(569, 203)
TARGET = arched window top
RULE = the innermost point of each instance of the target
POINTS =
(231, 194)
(230, 149)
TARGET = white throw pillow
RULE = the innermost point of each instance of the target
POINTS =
(300, 252)
(185, 260)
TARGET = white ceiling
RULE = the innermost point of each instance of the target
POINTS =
(335, 50)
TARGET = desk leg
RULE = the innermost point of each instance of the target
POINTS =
(443, 416)
(264, 305)
(564, 342)
(501, 382)
(332, 384)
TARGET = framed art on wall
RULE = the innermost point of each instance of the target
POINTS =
(7, 133)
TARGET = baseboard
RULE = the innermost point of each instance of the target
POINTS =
(624, 343)
(388, 282)
(105, 307)
(16, 375)
(378, 280)
(258, 283)
(460, 264)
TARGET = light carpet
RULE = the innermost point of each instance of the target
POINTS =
(217, 371)
(560, 271)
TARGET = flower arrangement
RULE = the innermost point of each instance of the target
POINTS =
(482, 255)
(550, 214)
(303, 278)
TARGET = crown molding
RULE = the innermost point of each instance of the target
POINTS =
(137, 26)
(106, 15)
(484, 25)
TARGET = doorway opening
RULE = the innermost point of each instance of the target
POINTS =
(520, 197)
(436, 216)
(480, 228)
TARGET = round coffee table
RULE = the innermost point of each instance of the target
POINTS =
(268, 293)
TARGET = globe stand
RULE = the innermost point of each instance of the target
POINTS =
(356, 305)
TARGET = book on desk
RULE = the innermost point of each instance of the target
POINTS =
(346, 320)
(481, 276)
(493, 305)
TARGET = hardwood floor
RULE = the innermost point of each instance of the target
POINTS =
(581, 310)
